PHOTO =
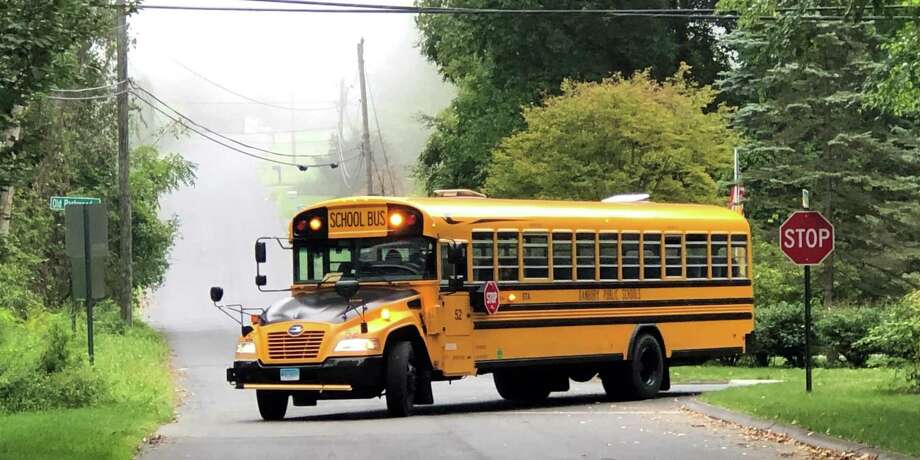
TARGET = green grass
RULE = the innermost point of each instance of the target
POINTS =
(135, 369)
(863, 405)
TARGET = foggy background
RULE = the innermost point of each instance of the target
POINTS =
(286, 70)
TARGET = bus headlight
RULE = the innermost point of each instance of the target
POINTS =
(357, 345)
(246, 348)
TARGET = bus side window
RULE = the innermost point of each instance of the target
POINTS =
(673, 259)
(719, 251)
(508, 256)
(483, 266)
(739, 256)
(536, 255)
(629, 255)
(562, 256)
(697, 256)
(651, 254)
(608, 255)
(584, 255)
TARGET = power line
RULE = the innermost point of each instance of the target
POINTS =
(84, 90)
(691, 14)
(243, 96)
(383, 148)
(84, 98)
(203, 132)
(229, 139)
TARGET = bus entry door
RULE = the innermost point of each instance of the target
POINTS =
(456, 334)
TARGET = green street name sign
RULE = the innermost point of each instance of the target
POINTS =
(58, 203)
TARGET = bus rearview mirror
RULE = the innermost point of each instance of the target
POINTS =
(217, 293)
(260, 252)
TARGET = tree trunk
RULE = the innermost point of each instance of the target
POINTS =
(827, 274)
(6, 209)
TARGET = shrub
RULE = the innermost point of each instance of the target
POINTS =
(840, 330)
(898, 335)
(779, 330)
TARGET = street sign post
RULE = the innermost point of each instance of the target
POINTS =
(58, 203)
(86, 242)
(490, 298)
(807, 238)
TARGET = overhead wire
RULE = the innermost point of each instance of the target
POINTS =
(193, 126)
(85, 98)
(248, 98)
(383, 149)
(216, 133)
(692, 14)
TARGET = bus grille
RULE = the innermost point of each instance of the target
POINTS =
(281, 345)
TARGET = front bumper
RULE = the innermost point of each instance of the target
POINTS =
(360, 374)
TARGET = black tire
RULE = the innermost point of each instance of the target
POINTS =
(520, 386)
(272, 404)
(645, 370)
(401, 379)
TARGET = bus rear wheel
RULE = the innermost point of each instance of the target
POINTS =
(520, 386)
(272, 404)
(644, 373)
(401, 379)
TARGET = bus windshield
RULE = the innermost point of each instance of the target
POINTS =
(366, 259)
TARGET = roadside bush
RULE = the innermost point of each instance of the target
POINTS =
(898, 335)
(39, 369)
(840, 330)
(779, 330)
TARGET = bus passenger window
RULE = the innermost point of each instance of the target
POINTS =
(584, 256)
(482, 256)
(672, 256)
(629, 254)
(739, 256)
(719, 250)
(608, 255)
(697, 255)
(536, 255)
(507, 256)
(562, 256)
(651, 253)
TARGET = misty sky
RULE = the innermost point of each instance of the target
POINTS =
(288, 59)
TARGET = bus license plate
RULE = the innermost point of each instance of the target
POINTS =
(289, 374)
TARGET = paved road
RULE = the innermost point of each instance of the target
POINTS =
(220, 219)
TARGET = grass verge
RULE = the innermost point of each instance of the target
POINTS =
(134, 366)
(863, 405)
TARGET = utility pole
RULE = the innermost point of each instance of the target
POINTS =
(365, 136)
(124, 166)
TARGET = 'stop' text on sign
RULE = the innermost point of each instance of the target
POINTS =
(806, 237)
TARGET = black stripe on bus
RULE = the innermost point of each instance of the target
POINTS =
(562, 322)
(647, 284)
(623, 304)
(491, 364)
(706, 352)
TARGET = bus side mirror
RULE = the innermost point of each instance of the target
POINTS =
(217, 293)
(260, 253)
(456, 253)
(346, 288)
(261, 280)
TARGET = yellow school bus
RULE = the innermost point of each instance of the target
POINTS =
(390, 294)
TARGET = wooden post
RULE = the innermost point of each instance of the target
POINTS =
(126, 293)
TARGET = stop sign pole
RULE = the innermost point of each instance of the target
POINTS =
(807, 238)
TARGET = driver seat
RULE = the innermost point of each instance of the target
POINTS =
(393, 257)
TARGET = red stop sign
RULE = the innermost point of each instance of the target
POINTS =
(806, 237)
(490, 297)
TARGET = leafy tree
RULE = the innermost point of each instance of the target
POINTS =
(39, 41)
(805, 118)
(501, 63)
(617, 136)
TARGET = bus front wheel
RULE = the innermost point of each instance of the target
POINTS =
(272, 404)
(401, 379)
